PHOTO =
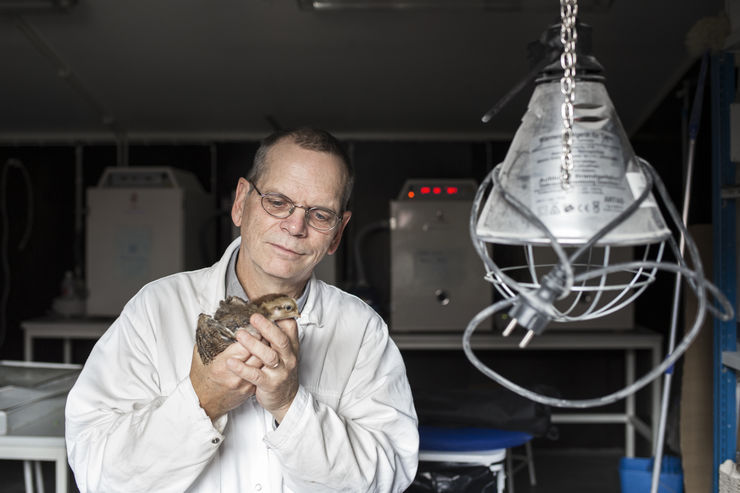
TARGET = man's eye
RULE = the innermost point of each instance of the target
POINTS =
(321, 216)
(277, 203)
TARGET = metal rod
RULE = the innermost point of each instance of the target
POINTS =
(672, 338)
(694, 124)
(629, 403)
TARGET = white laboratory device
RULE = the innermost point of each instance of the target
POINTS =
(143, 223)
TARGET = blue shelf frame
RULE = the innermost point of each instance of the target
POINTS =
(722, 79)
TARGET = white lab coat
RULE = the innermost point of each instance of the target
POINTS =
(133, 421)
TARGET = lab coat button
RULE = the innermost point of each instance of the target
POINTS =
(215, 440)
(258, 487)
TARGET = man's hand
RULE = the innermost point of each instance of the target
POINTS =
(277, 381)
(219, 390)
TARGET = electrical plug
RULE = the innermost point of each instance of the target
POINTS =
(533, 310)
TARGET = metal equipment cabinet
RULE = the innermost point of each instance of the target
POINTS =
(724, 194)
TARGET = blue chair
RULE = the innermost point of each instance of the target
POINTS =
(477, 446)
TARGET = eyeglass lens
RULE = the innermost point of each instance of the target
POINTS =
(280, 206)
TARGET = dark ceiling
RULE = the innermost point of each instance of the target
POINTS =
(189, 70)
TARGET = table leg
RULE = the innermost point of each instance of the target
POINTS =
(500, 480)
(629, 404)
(27, 347)
(39, 476)
(28, 476)
(61, 474)
(655, 420)
(510, 470)
(67, 350)
(530, 463)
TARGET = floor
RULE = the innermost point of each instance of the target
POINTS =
(572, 471)
(569, 470)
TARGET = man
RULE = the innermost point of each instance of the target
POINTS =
(317, 404)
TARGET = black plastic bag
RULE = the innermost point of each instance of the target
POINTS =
(442, 477)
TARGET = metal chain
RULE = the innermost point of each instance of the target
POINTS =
(568, 36)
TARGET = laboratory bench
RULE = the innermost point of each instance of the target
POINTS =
(67, 329)
(40, 440)
(32, 400)
(630, 341)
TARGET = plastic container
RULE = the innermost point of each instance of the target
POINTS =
(636, 474)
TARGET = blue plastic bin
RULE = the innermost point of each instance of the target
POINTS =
(636, 474)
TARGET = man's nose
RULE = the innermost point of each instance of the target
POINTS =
(296, 222)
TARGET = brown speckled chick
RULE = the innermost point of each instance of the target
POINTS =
(214, 334)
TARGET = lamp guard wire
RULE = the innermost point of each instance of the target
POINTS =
(695, 279)
(642, 285)
(480, 247)
(616, 304)
(597, 292)
(529, 215)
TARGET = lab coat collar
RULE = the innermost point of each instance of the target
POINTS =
(313, 312)
(214, 287)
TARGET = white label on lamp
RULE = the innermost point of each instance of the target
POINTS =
(636, 182)
(597, 187)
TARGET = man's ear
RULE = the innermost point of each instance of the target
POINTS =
(237, 208)
(338, 233)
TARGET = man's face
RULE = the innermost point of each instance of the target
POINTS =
(285, 251)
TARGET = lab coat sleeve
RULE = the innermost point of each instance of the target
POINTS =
(123, 431)
(369, 443)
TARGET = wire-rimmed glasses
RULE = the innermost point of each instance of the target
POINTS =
(280, 206)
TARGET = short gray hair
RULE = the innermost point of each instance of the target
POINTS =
(313, 139)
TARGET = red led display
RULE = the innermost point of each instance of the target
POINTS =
(434, 190)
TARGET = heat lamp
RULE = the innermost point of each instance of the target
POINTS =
(569, 194)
